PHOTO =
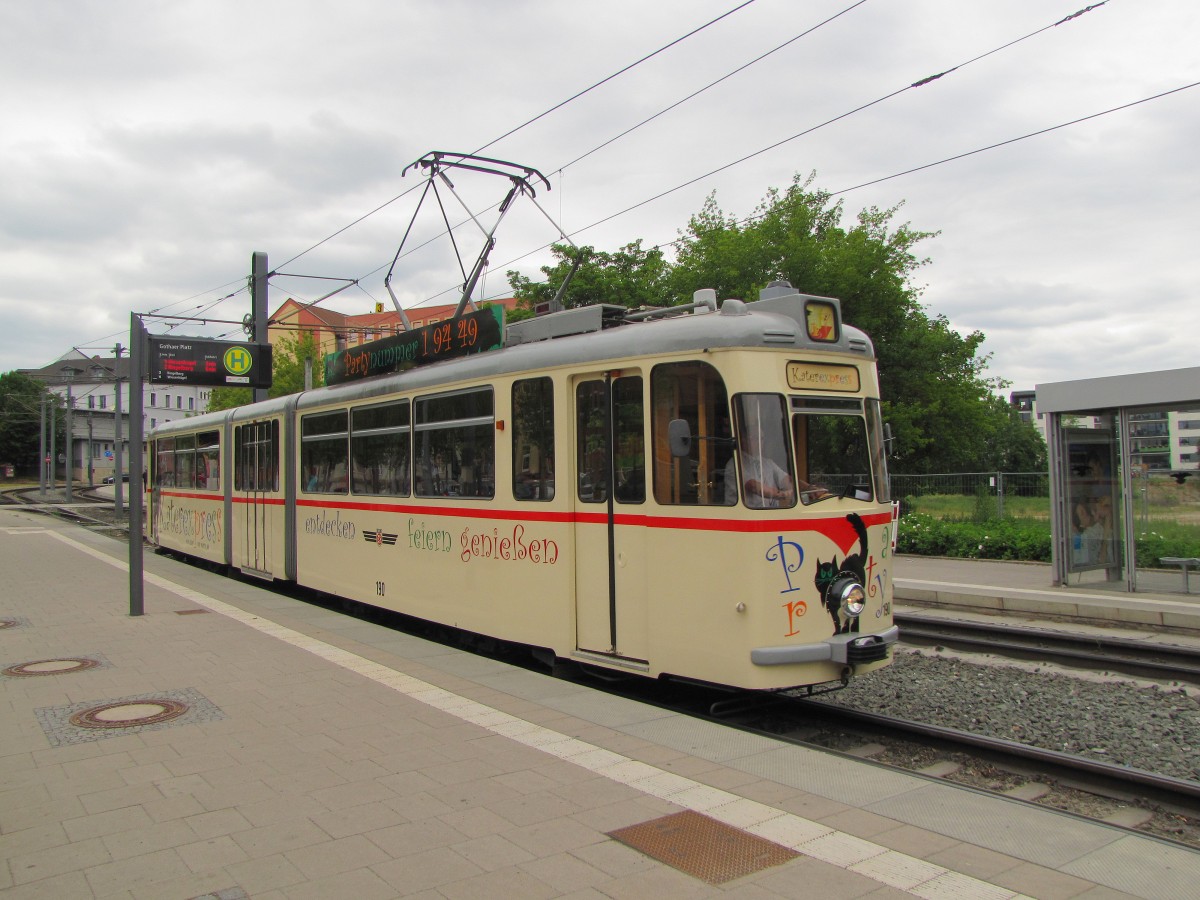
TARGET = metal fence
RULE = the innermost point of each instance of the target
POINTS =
(1157, 498)
(975, 494)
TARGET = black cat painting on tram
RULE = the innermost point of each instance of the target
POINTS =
(834, 580)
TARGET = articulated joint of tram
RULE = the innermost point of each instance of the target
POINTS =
(848, 649)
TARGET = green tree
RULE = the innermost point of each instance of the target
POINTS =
(936, 395)
(20, 420)
(287, 372)
(1014, 444)
(629, 277)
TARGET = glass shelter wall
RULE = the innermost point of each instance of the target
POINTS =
(1091, 540)
(1122, 443)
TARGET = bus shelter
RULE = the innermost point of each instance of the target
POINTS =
(1098, 471)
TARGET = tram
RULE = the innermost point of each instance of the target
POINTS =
(694, 492)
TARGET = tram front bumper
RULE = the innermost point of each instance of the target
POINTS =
(841, 648)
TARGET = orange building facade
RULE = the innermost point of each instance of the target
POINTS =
(335, 331)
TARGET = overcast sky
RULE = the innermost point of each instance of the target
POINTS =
(148, 148)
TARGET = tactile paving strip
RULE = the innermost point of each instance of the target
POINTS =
(704, 848)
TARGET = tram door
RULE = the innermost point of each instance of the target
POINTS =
(610, 485)
(256, 475)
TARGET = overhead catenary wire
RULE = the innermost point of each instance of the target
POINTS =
(509, 133)
(646, 121)
(922, 82)
(913, 85)
(711, 85)
(616, 74)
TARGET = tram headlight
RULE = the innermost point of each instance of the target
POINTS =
(849, 595)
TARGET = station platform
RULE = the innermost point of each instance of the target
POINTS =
(1026, 589)
(233, 742)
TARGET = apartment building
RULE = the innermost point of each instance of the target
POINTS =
(91, 385)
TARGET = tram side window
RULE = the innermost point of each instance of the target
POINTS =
(164, 462)
(325, 452)
(256, 456)
(454, 450)
(625, 455)
(764, 459)
(533, 439)
(379, 449)
(208, 460)
(591, 421)
(629, 431)
(694, 392)
(185, 461)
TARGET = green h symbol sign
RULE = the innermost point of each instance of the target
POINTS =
(238, 360)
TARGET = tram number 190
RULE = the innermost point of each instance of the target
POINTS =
(380, 589)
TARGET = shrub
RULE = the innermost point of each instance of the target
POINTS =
(921, 534)
(924, 535)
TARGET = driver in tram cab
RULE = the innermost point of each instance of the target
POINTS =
(766, 484)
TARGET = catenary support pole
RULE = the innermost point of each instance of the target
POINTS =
(258, 294)
(137, 465)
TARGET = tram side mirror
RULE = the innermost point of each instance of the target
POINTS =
(679, 437)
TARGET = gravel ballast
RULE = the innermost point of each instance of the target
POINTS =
(1147, 726)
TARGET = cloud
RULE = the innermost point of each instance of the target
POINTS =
(151, 148)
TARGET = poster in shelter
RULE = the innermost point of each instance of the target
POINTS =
(1092, 491)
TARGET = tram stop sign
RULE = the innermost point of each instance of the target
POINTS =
(176, 360)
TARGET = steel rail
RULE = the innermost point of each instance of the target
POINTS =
(1125, 654)
(1165, 786)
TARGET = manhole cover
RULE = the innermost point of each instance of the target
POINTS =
(703, 847)
(51, 667)
(128, 714)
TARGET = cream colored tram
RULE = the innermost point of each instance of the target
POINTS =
(697, 493)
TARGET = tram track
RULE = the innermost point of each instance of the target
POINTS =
(1115, 777)
(100, 514)
(1117, 795)
(1094, 652)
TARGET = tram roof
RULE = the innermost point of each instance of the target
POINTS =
(777, 321)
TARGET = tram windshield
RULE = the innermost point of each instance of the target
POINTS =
(834, 451)
(839, 449)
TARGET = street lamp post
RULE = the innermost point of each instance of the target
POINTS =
(118, 479)
(42, 450)
(70, 443)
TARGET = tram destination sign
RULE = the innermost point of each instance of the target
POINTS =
(176, 360)
(474, 332)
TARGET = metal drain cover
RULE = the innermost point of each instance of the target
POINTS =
(50, 667)
(702, 847)
(128, 714)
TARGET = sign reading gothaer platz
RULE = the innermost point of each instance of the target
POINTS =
(473, 332)
(175, 360)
